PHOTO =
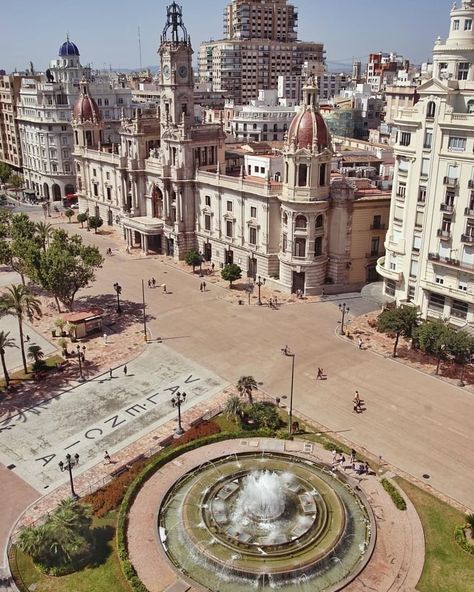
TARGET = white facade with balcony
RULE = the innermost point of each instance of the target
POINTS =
(430, 242)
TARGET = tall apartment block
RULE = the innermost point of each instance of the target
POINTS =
(430, 242)
(260, 43)
(10, 145)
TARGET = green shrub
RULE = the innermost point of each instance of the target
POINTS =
(393, 492)
(460, 538)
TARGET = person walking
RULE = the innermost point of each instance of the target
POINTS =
(320, 374)
(200, 287)
(164, 288)
(353, 456)
(107, 458)
(149, 283)
(359, 342)
(357, 402)
(153, 282)
(212, 267)
(203, 286)
(110, 373)
(125, 370)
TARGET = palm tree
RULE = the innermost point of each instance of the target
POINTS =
(36, 355)
(233, 407)
(5, 341)
(20, 302)
(44, 232)
(245, 386)
(32, 541)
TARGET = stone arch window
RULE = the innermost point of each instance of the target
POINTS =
(285, 218)
(275, 127)
(320, 221)
(301, 222)
(322, 174)
(302, 175)
(318, 246)
(300, 247)
(470, 106)
(431, 109)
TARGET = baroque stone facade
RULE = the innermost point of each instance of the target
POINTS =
(168, 185)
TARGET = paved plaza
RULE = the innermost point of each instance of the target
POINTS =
(102, 414)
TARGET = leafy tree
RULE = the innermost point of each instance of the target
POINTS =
(16, 181)
(20, 302)
(263, 416)
(231, 272)
(193, 258)
(82, 218)
(433, 337)
(5, 342)
(5, 172)
(460, 345)
(246, 385)
(44, 232)
(470, 523)
(33, 541)
(69, 213)
(401, 321)
(18, 244)
(67, 266)
(233, 407)
(95, 222)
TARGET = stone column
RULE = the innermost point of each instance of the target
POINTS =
(145, 244)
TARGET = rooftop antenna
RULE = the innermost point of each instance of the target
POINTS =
(140, 48)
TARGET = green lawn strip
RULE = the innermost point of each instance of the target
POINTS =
(19, 376)
(447, 567)
(105, 576)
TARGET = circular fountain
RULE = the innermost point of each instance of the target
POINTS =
(269, 520)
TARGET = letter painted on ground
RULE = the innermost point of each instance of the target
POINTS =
(47, 459)
(114, 420)
(188, 379)
(93, 430)
(151, 397)
(138, 408)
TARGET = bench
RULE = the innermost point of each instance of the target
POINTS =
(166, 441)
(128, 465)
(197, 422)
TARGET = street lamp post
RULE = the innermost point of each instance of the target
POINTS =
(68, 465)
(286, 352)
(118, 290)
(260, 282)
(81, 357)
(201, 259)
(344, 310)
(177, 401)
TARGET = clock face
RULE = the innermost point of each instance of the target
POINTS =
(182, 71)
(166, 71)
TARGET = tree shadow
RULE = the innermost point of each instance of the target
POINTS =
(101, 544)
(30, 395)
(131, 312)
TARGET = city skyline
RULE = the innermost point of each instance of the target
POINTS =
(110, 39)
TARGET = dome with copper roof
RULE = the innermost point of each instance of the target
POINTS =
(308, 128)
(68, 48)
(85, 108)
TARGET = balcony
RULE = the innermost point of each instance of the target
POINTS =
(444, 234)
(450, 181)
(469, 211)
(448, 208)
(467, 238)
(377, 227)
(389, 274)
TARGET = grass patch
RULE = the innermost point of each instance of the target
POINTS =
(447, 567)
(105, 575)
(20, 376)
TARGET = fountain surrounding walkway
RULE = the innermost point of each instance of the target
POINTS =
(266, 520)
(395, 564)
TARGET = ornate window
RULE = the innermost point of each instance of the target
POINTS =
(320, 221)
(301, 222)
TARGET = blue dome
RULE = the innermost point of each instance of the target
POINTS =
(68, 48)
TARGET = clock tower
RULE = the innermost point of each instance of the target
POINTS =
(176, 72)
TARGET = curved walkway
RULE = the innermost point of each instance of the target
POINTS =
(396, 564)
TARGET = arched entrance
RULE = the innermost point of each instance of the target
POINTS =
(110, 218)
(156, 202)
(69, 189)
(56, 192)
(46, 191)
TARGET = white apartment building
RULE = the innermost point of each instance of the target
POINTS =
(330, 84)
(430, 242)
(260, 43)
(44, 116)
(265, 119)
